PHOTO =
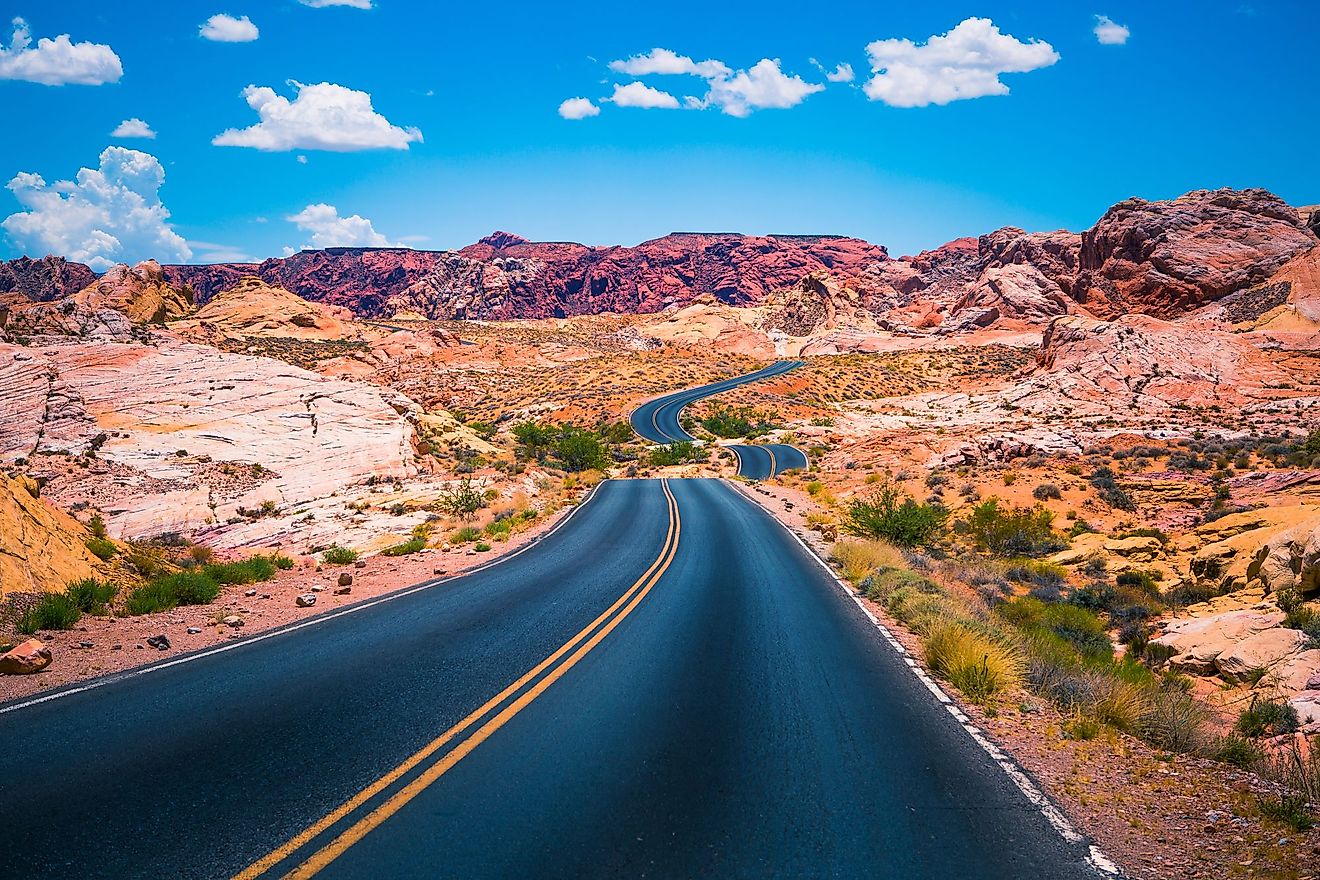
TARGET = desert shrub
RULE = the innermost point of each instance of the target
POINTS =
(887, 514)
(1010, 532)
(1080, 726)
(1141, 580)
(1267, 718)
(101, 548)
(675, 453)
(462, 499)
(51, 611)
(280, 561)
(861, 559)
(1075, 625)
(1107, 488)
(1046, 492)
(1305, 620)
(882, 585)
(336, 555)
(171, 591)
(740, 421)
(246, 571)
(96, 526)
(1174, 720)
(465, 535)
(499, 529)
(919, 608)
(1036, 573)
(146, 561)
(91, 596)
(1236, 750)
(1287, 809)
(412, 545)
(481, 547)
(977, 664)
(578, 449)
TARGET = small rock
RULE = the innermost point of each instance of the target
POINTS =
(250, 593)
(361, 563)
(84, 644)
(306, 600)
(25, 658)
(160, 642)
(345, 579)
(343, 591)
(139, 647)
(317, 588)
(233, 620)
(437, 571)
(116, 647)
(265, 595)
(194, 630)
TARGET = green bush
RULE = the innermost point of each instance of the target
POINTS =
(481, 547)
(1237, 750)
(465, 535)
(336, 555)
(91, 596)
(977, 664)
(247, 571)
(101, 548)
(282, 562)
(883, 516)
(578, 449)
(1287, 809)
(171, 591)
(675, 453)
(412, 545)
(1267, 718)
(1107, 488)
(51, 611)
(1010, 532)
(740, 421)
(1046, 492)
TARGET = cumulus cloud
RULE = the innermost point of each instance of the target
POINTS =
(1110, 32)
(665, 61)
(133, 128)
(327, 229)
(736, 92)
(224, 28)
(322, 4)
(762, 87)
(578, 108)
(841, 74)
(322, 117)
(108, 214)
(964, 63)
(636, 94)
(57, 62)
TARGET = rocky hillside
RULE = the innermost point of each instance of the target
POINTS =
(41, 548)
(1162, 258)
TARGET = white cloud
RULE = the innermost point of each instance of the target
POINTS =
(214, 252)
(762, 87)
(636, 94)
(57, 62)
(578, 108)
(964, 63)
(328, 229)
(322, 117)
(133, 128)
(737, 93)
(1110, 32)
(224, 28)
(322, 4)
(302, 160)
(841, 74)
(108, 214)
(665, 61)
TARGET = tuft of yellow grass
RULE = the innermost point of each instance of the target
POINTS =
(859, 560)
(977, 664)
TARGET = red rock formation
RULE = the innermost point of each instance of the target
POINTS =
(1167, 258)
(45, 279)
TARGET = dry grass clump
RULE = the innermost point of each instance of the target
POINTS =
(859, 560)
(979, 664)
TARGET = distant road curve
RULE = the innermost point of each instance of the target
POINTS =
(657, 421)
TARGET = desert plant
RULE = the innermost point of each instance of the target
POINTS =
(101, 548)
(861, 559)
(51, 611)
(481, 547)
(465, 535)
(336, 555)
(1267, 717)
(887, 514)
(1009, 532)
(412, 545)
(579, 450)
(90, 595)
(246, 571)
(977, 664)
(171, 591)
(462, 499)
(1236, 750)
(1287, 809)
(1046, 492)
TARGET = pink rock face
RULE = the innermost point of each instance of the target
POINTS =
(1167, 258)
(26, 659)
(44, 279)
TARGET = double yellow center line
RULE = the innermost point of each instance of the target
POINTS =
(467, 733)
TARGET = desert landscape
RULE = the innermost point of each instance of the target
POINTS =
(1105, 444)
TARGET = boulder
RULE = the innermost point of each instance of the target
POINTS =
(25, 659)
(1291, 559)
(1198, 641)
(306, 600)
(1137, 548)
(1296, 673)
(1263, 650)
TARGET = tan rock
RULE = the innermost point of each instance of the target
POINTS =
(1290, 560)
(252, 308)
(1138, 548)
(27, 658)
(1296, 673)
(1199, 641)
(1263, 650)
(41, 548)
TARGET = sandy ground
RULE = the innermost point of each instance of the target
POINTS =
(1159, 816)
(102, 645)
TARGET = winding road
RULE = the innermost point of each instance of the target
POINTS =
(668, 685)
(657, 421)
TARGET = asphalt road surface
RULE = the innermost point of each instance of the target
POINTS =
(667, 686)
(658, 421)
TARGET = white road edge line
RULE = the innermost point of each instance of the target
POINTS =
(270, 634)
(1095, 856)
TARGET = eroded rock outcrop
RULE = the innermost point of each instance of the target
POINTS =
(41, 547)
(252, 308)
(45, 279)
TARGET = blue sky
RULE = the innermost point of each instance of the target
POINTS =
(464, 133)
